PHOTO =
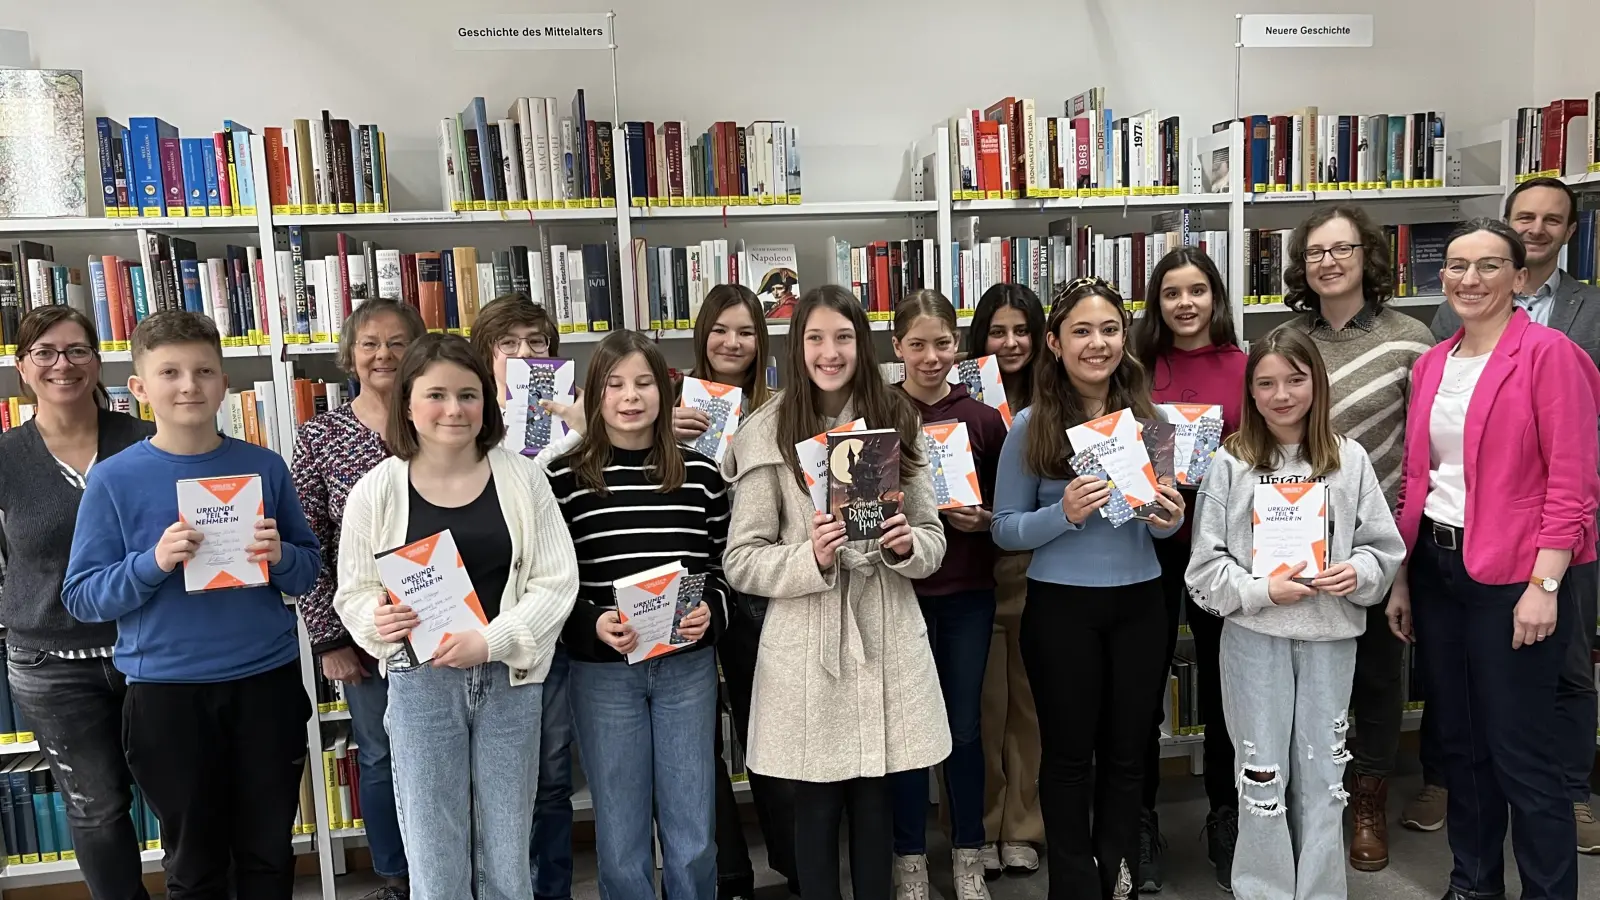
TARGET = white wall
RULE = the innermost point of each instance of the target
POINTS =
(1565, 62)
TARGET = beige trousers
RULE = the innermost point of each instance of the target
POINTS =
(1010, 725)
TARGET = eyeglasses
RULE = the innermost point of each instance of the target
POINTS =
(1337, 251)
(1488, 267)
(76, 354)
(398, 348)
(512, 346)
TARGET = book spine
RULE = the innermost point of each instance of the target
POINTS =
(147, 188)
(195, 151)
(244, 172)
(171, 150)
(219, 161)
(108, 177)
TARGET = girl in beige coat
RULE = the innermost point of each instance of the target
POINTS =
(845, 687)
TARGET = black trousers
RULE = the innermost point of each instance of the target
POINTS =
(221, 763)
(773, 797)
(1094, 657)
(818, 811)
(1221, 792)
(75, 707)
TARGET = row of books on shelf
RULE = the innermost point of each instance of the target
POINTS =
(1071, 249)
(1307, 150)
(727, 165)
(148, 169)
(1559, 139)
(33, 814)
(1416, 250)
(1583, 251)
(119, 293)
(1008, 150)
(532, 158)
(341, 780)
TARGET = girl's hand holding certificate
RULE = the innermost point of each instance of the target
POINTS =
(1284, 590)
(1338, 580)
(693, 626)
(1082, 496)
(617, 634)
(1172, 506)
(394, 621)
(462, 651)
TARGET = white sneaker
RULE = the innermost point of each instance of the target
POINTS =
(992, 868)
(1019, 857)
(968, 875)
(911, 878)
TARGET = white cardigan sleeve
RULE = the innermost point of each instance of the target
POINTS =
(360, 589)
(546, 577)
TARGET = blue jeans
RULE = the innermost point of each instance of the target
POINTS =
(645, 733)
(369, 699)
(550, 851)
(465, 747)
(959, 627)
(1493, 711)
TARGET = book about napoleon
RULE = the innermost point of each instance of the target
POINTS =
(864, 480)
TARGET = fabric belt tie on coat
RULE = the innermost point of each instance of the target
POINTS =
(840, 630)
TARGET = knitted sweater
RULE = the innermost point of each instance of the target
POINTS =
(1369, 371)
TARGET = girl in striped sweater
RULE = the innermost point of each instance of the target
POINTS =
(634, 500)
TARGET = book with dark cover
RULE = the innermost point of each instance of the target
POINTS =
(1160, 442)
(864, 480)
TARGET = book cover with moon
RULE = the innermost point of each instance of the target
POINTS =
(864, 480)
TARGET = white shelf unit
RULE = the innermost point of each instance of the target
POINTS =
(930, 172)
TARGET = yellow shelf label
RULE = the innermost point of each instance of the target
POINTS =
(684, 324)
(608, 203)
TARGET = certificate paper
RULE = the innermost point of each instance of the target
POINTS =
(429, 577)
(529, 428)
(812, 454)
(654, 602)
(955, 474)
(1291, 527)
(724, 404)
(1199, 435)
(982, 378)
(1117, 447)
(225, 510)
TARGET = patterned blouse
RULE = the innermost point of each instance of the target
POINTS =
(331, 453)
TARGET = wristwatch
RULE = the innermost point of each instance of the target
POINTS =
(1548, 585)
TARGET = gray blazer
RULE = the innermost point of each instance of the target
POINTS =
(1576, 313)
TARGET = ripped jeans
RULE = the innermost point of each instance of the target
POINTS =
(1286, 704)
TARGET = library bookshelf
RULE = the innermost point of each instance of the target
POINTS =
(928, 211)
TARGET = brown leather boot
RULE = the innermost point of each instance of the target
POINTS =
(1369, 804)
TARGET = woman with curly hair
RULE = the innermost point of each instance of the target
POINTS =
(1340, 278)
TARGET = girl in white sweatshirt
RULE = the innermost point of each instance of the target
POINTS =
(1289, 641)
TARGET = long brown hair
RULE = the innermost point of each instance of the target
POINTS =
(1377, 267)
(424, 352)
(798, 416)
(665, 459)
(42, 319)
(1056, 403)
(1006, 295)
(722, 298)
(1253, 444)
(1151, 335)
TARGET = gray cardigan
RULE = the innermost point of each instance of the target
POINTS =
(38, 514)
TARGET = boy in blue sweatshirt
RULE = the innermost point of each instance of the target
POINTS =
(215, 714)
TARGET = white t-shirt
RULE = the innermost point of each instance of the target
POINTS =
(1447, 473)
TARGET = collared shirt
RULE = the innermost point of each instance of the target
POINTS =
(1362, 320)
(1543, 300)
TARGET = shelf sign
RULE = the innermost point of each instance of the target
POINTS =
(534, 31)
(1306, 30)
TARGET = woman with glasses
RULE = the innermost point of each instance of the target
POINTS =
(1339, 279)
(1499, 495)
(60, 669)
(514, 327)
(332, 452)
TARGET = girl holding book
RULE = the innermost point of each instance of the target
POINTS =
(1095, 617)
(730, 347)
(1289, 639)
(1497, 511)
(513, 327)
(332, 452)
(1192, 356)
(957, 602)
(1009, 325)
(634, 501)
(62, 682)
(845, 689)
(463, 725)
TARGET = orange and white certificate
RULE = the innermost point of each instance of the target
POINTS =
(812, 454)
(1121, 451)
(225, 510)
(955, 473)
(1291, 527)
(429, 576)
(649, 602)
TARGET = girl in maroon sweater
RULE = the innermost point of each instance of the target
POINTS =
(957, 602)
(1188, 346)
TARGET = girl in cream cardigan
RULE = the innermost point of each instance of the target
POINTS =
(463, 726)
(845, 688)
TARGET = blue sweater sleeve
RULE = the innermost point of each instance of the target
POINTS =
(297, 570)
(1019, 522)
(106, 579)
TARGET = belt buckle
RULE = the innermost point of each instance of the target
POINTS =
(1445, 536)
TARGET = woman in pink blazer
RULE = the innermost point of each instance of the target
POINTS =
(1497, 501)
